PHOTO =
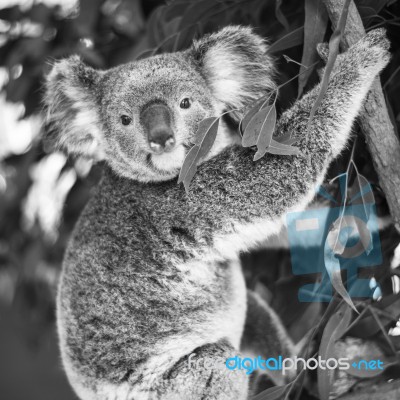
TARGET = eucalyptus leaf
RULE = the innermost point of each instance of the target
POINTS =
(286, 139)
(288, 151)
(332, 266)
(334, 330)
(259, 104)
(260, 128)
(204, 139)
(203, 128)
(363, 190)
(273, 393)
(189, 167)
(292, 39)
(289, 141)
(367, 327)
(371, 8)
(282, 149)
(280, 16)
(267, 129)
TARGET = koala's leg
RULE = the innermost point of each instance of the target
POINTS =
(201, 375)
(254, 196)
(264, 335)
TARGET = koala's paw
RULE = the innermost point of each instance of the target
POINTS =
(378, 38)
(372, 52)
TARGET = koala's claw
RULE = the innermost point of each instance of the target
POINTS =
(371, 53)
(378, 37)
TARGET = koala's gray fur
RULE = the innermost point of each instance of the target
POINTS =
(151, 274)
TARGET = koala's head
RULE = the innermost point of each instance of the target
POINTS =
(140, 117)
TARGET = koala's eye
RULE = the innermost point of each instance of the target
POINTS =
(126, 120)
(185, 103)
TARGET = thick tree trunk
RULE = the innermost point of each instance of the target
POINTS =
(374, 118)
(385, 151)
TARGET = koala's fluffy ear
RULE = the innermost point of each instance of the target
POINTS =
(235, 65)
(72, 120)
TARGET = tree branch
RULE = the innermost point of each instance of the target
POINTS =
(374, 119)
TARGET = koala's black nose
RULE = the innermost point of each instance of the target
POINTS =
(156, 120)
(160, 141)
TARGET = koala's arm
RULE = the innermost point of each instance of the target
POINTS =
(236, 188)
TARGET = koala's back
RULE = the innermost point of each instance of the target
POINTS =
(126, 291)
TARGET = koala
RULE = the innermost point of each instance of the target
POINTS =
(151, 286)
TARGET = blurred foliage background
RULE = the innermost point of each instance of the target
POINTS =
(41, 195)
